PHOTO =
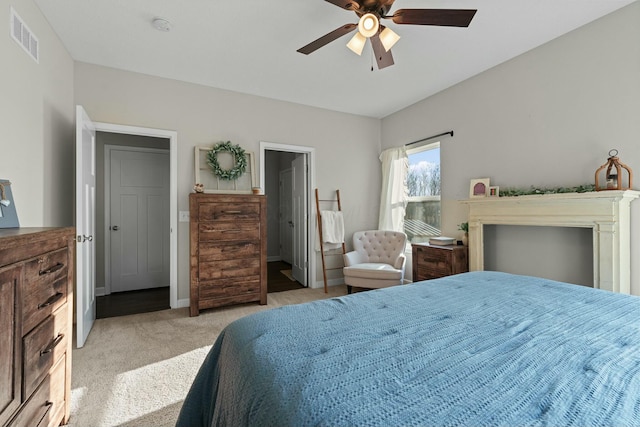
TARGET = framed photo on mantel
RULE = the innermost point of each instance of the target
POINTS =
(479, 187)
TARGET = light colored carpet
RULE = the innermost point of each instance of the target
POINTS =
(289, 274)
(136, 370)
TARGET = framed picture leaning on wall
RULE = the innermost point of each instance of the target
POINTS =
(479, 187)
(8, 214)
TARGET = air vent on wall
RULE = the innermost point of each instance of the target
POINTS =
(23, 36)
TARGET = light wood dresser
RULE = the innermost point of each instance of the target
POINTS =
(36, 321)
(228, 248)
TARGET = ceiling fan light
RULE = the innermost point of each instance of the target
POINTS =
(368, 24)
(356, 44)
(388, 38)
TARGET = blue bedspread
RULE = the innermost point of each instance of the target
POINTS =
(476, 349)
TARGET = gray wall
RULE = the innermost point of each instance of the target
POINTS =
(36, 118)
(546, 118)
(346, 146)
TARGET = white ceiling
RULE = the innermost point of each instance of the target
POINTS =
(249, 46)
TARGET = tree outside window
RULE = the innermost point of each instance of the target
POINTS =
(422, 217)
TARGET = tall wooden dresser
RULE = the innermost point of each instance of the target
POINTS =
(36, 321)
(228, 248)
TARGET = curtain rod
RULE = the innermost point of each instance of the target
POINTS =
(431, 137)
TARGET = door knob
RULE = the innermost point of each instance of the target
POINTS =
(115, 228)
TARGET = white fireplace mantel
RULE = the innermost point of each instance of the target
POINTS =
(608, 213)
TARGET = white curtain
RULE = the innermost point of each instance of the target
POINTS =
(394, 196)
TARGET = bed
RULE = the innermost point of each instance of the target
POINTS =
(475, 349)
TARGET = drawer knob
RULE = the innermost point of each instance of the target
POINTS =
(57, 340)
(51, 300)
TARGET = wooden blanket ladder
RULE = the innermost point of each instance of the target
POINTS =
(344, 249)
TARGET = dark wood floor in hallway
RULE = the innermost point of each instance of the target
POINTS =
(147, 300)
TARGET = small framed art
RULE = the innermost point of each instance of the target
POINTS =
(494, 191)
(8, 214)
(479, 187)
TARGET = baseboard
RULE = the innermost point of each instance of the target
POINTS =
(331, 282)
(100, 291)
(274, 258)
(182, 303)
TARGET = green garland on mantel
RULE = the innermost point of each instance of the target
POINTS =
(513, 192)
(239, 156)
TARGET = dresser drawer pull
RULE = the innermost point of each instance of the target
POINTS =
(230, 231)
(57, 340)
(58, 266)
(231, 212)
(52, 300)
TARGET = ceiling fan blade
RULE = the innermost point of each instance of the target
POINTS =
(383, 57)
(441, 17)
(327, 38)
(345, 4)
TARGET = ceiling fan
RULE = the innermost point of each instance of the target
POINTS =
(383, 38)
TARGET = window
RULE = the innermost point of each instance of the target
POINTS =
(422, 217)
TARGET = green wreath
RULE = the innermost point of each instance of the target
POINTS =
(240, 160)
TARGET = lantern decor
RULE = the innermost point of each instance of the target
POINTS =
(613, 177)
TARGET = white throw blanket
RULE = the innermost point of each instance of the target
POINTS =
(332, 230)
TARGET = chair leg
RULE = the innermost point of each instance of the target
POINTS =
(349, 289)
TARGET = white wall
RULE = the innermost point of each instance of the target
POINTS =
(347, 146)
(36, 118)
(546, 118)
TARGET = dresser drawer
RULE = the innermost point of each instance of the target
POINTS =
(46, 407)
(229, 211)
(229, 269)
(46, 268)
(224, 251)
(433, 256)
(229, 231)
(433, 271)
(44, 288)
(229, 288)
(42, 347)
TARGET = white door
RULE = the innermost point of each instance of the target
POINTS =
(299, 214)
(139, 218)
(286, 220)
(85, 225)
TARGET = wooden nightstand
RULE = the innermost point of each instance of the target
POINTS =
(431, 262)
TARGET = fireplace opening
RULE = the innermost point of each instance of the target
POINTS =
(557, 253)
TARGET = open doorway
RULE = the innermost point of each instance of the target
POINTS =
(285, 179)
(132, 219)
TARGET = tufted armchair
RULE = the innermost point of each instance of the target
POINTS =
(377, 260)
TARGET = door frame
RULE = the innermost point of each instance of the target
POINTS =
(311, 183)
(107, 202)
(172, 136)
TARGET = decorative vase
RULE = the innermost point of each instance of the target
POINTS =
(465, 239)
